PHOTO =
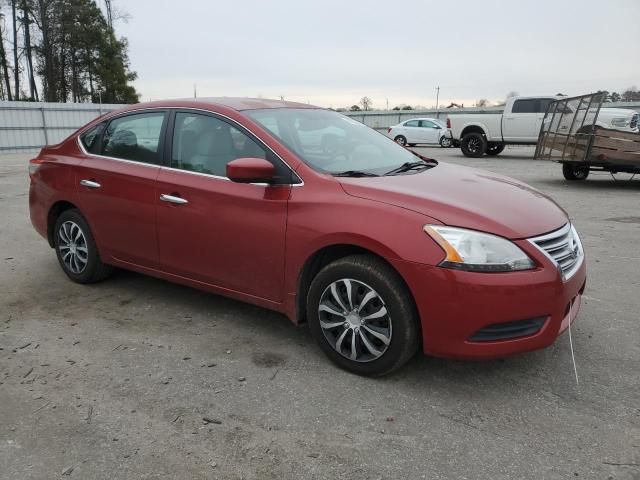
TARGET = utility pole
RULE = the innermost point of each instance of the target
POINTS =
(387, 104)
(195, 93)
(437, 102)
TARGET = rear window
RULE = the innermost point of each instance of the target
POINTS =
(412, 123)
(524, 106)
(91, 138)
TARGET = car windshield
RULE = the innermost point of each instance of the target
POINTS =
(333, 143)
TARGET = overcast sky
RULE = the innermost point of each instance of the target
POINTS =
(333, 52)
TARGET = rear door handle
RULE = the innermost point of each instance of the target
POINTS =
(173, 199)
(89, 184)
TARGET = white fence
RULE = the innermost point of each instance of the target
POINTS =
(28, 126)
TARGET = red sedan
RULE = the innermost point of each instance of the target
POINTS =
(307, 212)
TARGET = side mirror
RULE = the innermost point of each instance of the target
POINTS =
(250, 170)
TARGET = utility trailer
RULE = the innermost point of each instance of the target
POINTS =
(570, 136)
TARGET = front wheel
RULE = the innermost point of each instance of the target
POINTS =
(495, 149)
(574, 172)
(362, 316)
(445, 142)
(473, 145)
(401, 140)
(76, 249)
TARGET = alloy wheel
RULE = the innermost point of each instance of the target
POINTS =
(474, 145)
(354, 320)
(72, 245)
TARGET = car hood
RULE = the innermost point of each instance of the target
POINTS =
(465, 197)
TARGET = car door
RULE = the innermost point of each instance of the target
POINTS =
(430, 131)
(520, 124)
(116, 185)
(211, 229)
(412, 131)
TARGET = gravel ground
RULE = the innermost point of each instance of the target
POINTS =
(115, 380)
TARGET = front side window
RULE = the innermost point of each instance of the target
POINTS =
(412, 123)
(333, 143)
(91, 138)
(134, 137)
(205, 144)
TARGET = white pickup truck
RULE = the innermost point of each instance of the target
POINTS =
(519, 124)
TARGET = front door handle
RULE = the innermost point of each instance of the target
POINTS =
(173, 199)
(89, 184)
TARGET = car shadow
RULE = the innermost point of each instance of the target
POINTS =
(253, 323)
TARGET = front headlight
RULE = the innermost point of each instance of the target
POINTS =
(478, 252)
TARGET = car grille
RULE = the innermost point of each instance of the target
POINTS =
(634, 121)
(564, 249)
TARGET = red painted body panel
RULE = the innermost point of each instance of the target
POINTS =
(467, 197)
(122, 211)
(251, 242)
(229, 234)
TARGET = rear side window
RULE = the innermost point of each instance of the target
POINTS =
(527, 105)
(134, 137)
(412, 123)
(543, 104)
(428, 124)
(91, 138)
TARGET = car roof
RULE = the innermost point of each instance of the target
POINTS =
(233, 103)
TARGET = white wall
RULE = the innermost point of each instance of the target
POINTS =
(28, 126)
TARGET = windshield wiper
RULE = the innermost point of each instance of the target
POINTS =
(407, 166)
(355, 173)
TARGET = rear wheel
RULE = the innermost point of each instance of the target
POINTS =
(76, 249)
(362, 315)
(445, 142)
(401, 140)
(473, 145)
(495, 149)
(572, 171)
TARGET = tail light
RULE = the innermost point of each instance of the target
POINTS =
(389, 130)
(34, 165)
(448, 122)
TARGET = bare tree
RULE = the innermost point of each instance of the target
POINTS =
(16, 69)
(483, 102)
(3, 61)
(366, 103)
(26, 23)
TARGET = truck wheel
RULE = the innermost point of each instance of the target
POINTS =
(473, 145)
(495, 149)
(401, 140)
(445, 142)
(574, 172)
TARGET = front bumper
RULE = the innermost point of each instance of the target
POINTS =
(455, 305)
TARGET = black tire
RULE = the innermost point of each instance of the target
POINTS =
(93, 269)
(473, 145)
(446, 142)
(401, 140)
(365, 271)
(494, 149)
(573, 172)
